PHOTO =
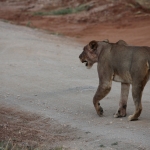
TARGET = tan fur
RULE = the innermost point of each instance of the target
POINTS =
(121, 63)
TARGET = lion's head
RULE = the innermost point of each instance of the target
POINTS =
(91, 52)
(89, 55)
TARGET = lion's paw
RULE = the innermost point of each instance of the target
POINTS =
(120, 113)
(132, 118)
(100, 111)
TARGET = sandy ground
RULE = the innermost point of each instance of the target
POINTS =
(41, 74)
(28, 130)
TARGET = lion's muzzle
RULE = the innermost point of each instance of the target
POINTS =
(80, 56)
(82, 60)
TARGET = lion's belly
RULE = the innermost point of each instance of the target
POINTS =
(125, 78)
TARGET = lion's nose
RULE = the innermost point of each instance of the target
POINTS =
(80, 56)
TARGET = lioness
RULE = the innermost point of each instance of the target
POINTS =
(121, 63)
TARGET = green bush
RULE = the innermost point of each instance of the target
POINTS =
(64, 11)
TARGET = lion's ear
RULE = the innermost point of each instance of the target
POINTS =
(106, 40)
(93, 45)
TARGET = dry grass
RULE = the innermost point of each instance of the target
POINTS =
(12, 146)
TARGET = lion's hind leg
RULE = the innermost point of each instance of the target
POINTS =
(137, 89)
(137, 95)
(139, 81)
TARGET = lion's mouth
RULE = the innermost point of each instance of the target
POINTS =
(85, 62)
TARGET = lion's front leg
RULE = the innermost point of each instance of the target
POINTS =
(121, 112)
(102, 91)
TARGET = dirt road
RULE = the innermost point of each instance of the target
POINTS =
(41, 73)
